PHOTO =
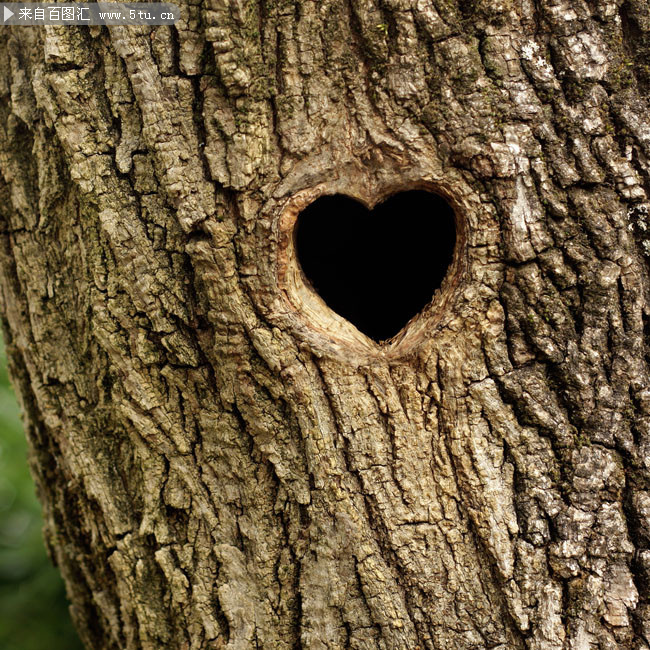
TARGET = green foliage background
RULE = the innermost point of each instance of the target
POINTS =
(33, 607)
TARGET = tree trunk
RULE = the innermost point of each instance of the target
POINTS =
(226, 463)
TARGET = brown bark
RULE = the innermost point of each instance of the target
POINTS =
(225, 463)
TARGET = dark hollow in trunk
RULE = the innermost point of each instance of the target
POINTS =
(377, 268)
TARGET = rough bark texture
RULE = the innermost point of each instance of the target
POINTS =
(222, 461)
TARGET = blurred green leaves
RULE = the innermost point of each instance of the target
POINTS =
(33, 607)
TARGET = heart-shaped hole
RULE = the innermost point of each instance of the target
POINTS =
(376, 268)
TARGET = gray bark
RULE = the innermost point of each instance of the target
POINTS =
(225, 463)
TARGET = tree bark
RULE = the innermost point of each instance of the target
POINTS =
(224, 462)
